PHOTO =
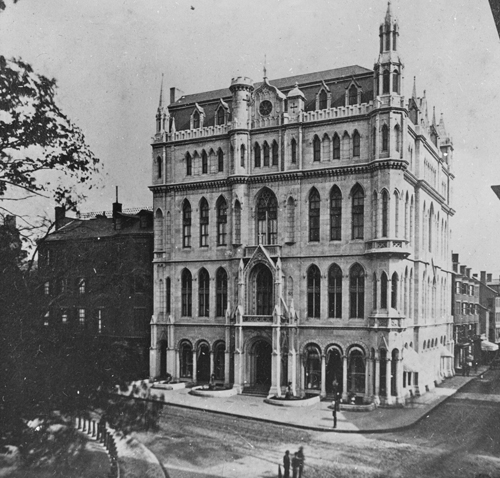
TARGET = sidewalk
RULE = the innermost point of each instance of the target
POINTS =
(319, 417)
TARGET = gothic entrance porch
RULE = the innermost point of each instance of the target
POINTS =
(261, 357)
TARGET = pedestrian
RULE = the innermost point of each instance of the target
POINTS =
(289, 393)
(300, 456)
(295, 465)
(286, 464)
(334, 413)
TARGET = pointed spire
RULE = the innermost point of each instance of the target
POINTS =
(434, 116)
(265, 66)
(160, 104)
(414, 92)
(388, 15)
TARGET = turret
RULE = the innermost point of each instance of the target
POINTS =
(295, 100)
(241, 88)
(162, 116)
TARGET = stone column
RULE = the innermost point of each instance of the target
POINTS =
(369, 379)
(388, 380)
(344, 378)
(177, 364)
(323, 375)
(194, 366)
(399, 382)
(376, 392)
(302, 373)
(211, 363)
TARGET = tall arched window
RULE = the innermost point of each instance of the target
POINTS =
(168, 295)
(219, 361)
(256, 152)
(335, 214)
(158, 167)
(383, 291)
(204, 218)
(314, 215)
(221, 116)
(186, 360)
(237, 222)
(312, 365)
(385, 213)
(313, 292)
(294, 151)
(387, 41)
(264, 291)
(386, 82)
(290, 208)
(196, 120)
(375, 214)
(335, 292)
(397, 138)
(396, 214)
(242, 155)
(375, 292)
(220, 160)
(275, 154)
(203, 293)
(186, 293)
(394, 291)
(204, 162)
(221, 292)
(374, 141)
(316, 148)
(159, 242)
(266, 153)
(385, 138)
(186, 224)
(336, 146)
(267, 218)
(395, 81)
(356, 142)
(353, 95)
(357, 292)
(189, 165)
(356, 372)
(358, 212)
(221, 222)
(323, 100)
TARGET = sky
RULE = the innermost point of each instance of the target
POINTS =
(109, 57)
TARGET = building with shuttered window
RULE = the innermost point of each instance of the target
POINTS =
(302, 234)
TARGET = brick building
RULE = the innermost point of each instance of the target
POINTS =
(302, 234)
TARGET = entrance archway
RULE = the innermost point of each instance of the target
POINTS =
(163, 358)
(262, 351)
(203, 363)
(334, 370)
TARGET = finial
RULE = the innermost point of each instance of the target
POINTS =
(116, 193)
(414, 93)
(160, 105)
(388, 15)
(434, 116)
(265, 66)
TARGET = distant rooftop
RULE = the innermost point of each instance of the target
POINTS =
(132, 210)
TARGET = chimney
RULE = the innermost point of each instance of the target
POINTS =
(483, 277)
(9, 221)
(467, 271)
(454, 257)
(117, 209)
(474, 276)
(60, 216)
(172, 95)
(462, 270)
(489, 278)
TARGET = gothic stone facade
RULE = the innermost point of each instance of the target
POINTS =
(302, 235)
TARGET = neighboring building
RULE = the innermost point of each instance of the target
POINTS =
(494, 284)
(96, 277)
(302, 234)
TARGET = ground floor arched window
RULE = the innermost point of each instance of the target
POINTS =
(312, 366)
(219, 362)
(186, 360)
(356, 371)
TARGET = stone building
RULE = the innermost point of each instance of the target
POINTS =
(302, 234)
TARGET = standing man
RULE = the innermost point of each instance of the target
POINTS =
(300, 456)
(286, 464)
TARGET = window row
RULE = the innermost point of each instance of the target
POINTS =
(466, 308)
(203, 161)
(66, 286)
(464, 289)
(82, 285)
(203, 358)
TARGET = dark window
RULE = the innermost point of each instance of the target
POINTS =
(385, 138)
(394, 39)
(242, 155)
(314, 215)
(394, 291)
(237, 223)
(374, 139)
(356, 144)
(357, 292)
(186, 360)
(221, 116)
(265, 286)
(266, 154)
(385, 82)
(383, 291)
(275, 154)
(313, 292)
(204, 162)
(168, 295)
(335, 292)
(267, 218)
(204, 220)
(358, 213)
(395, 81)
(323, 100)
(158, 167)
(316, 149)
(294, 151)
(397, 137)
(221, 222)
(336, 146)
(186, 293)
(221, 291)
(220, 160)
(196, 120)
(257, 155)
(335, 214)
(186, 225)
(385, 213)
(388, 41)
(203, 294)
(189, 165)
(374, 298)
(353, 95)
(356, 372)
(219, 361)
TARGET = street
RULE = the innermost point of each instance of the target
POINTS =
(459, 438)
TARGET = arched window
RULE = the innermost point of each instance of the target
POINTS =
(395, 81)
(221, 116)
(168, 295)
(335, 292)
(374, 141)
(375, 292)
(313, 292)
(189, 165)
(335, 214)
(242, 155)
(323, 100)
(221, 222)
(256, 151)
(267, 218)
(385, 138)
(314, 215)
(353, 95)
(186, 293)
(264, 289)
(356, 372)
(220, 160)
(186, 224)
(394, 291)
(397, 137)
(357, 291)
(388, 41)
(159, 244)
(186, 360)
(219, 361)
(396, 214)
(196, 120)
(203, 293)
(237, 223)
(383, 291)
(358, 212)
(385, 213)
(158, 167)
(221, 292)
(356, 141)
(204, 218)
(266, 153)
(290, 208)
(294, 151)
(375, 214)
(275, 154)
(316, 149)
(336, 146)
(312, 368)
(385, 82)
(204, 162)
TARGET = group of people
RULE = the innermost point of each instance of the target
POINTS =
(296, 462)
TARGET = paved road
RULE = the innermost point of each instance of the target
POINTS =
(459, 438)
